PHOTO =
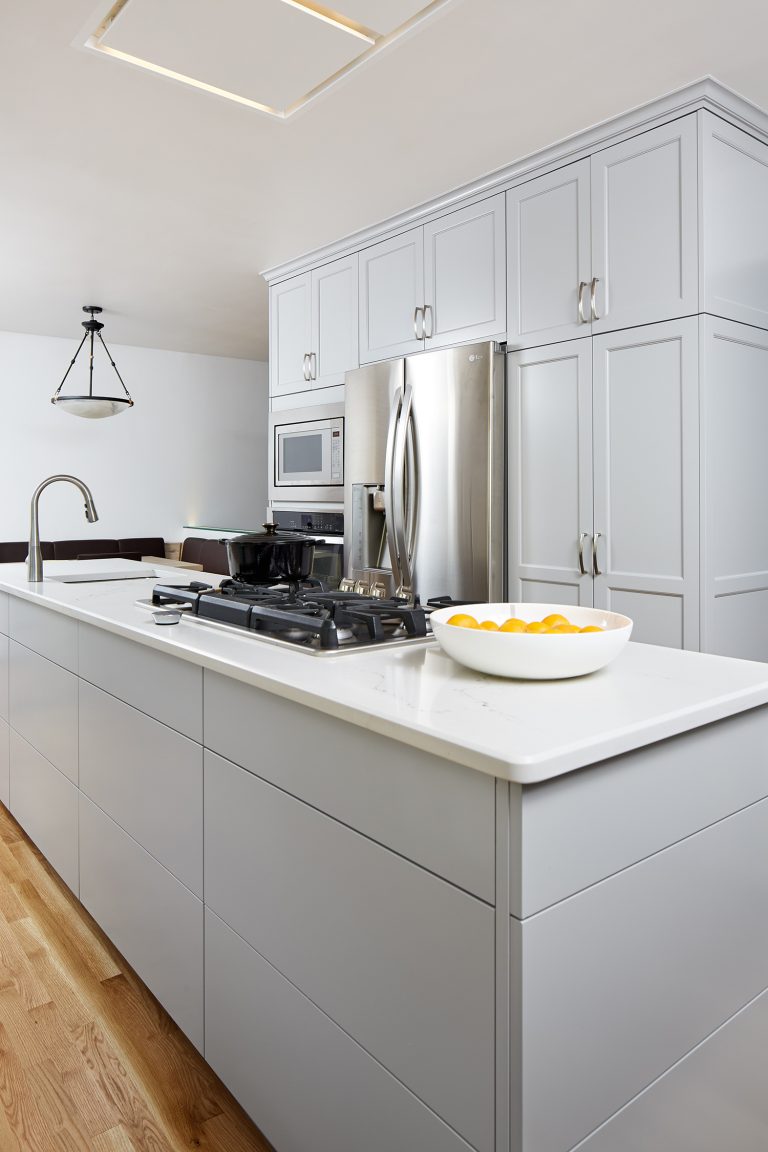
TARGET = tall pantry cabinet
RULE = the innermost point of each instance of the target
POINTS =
(638, 385)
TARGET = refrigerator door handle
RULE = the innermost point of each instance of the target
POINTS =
(389, 486)
(403, 506)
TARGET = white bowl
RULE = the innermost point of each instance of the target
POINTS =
(526, 655)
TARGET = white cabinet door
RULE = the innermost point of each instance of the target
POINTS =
(646, 475)
(153, 919)
(305, 1082)
(5, 764)
(465, 275)
(549, 258)
(645, 227)
(44, 801)
(734, 416)
(391, 289)
(335, 345)
(42, 706)
(290, 334)
(550, 473)
(734, 232)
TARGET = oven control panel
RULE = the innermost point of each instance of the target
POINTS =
(327, 523)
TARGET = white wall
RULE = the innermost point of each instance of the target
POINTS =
(192, 450)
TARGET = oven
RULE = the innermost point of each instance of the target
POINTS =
(306, 454)
(328, 528)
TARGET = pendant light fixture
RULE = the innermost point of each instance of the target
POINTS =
(90, 406)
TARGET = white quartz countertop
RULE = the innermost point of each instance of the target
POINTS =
(524, 731)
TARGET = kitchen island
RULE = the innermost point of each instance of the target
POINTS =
(399, 905)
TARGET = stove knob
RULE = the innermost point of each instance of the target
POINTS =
(346, 585)
(377, 591)
(361, 587)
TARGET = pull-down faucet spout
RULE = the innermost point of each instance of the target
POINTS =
(35, 557)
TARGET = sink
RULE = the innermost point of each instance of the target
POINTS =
(93, 571)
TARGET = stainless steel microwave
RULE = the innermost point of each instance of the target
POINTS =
(306, 454)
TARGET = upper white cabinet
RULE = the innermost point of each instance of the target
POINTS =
(645, 228)
(606, 243)
(435, 285)
(313, 328)
(549, 266)
(734, 180)
(290, 334)
(604, 477)
(391, 294)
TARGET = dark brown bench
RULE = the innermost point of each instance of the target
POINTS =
(132, 548)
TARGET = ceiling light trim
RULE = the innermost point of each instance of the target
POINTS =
(328, 16)
(377, 43)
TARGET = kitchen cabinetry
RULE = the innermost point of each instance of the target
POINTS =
(604, 499)
(734, 182)
(439, 284)
(4, 731)
(606, 243)
(313, 328)
(734, 417)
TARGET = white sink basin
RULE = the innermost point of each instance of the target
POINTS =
(83, 571)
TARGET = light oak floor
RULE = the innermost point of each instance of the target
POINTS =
(89, 1061)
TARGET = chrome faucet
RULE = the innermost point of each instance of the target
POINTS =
(35, 557)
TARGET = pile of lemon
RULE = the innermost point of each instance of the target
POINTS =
(553, 625)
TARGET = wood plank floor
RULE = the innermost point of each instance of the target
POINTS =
(89, 1061)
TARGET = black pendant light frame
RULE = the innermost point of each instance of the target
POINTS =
(93, 328)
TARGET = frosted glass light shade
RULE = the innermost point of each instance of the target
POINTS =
(92, 407)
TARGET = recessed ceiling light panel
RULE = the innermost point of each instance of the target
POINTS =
(271, 55)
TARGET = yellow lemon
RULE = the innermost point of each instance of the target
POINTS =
(564, 629)
(513, 625)
(537, 626)
(462, 620)
(555, 620)
(490, 626)
(591, 628)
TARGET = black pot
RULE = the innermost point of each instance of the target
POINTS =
(270, 557)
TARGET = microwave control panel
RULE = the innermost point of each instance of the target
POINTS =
(337, 451)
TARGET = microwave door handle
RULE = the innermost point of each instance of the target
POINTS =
(389, 481)
(399, 469)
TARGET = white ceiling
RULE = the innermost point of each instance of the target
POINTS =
(162, 202)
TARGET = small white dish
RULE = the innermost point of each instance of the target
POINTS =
(528, 656)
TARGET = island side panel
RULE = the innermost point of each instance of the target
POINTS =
(612, 986)
(579, 828)
(4, 732)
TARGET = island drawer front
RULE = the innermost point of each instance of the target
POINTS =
(5, 763)
(163, 686)
(711, 1101)
(580, 828)
(5, 646)
(305, 1082)
(438, 814)
(398, 958)
(49, 633)
(151, 918)
(4, 613)
(44, 802)
(621, 981)
(148, 778)
(42, 707)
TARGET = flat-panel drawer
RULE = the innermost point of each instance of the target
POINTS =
(151, 918)
(50, 633)
(303, 1080)
(42, 702)
(621, 981)
(580, 828)
(5, 763)
(4, 656)
(4, 613)
(401, 960)
(163, 686)
(44, 802)
(148, 778)
(713, 1100)
(438, 814)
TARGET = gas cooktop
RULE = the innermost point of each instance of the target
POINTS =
(310, 617)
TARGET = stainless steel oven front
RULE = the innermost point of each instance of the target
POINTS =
(306, 454)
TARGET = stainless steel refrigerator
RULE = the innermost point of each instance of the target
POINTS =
(424, 475)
